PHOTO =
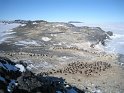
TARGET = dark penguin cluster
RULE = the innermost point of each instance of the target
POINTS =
(86, 68)
(28, 54)
(66, 48)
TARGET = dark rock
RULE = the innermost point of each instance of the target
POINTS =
(8, 74)
(28, 83)
(23, 63)
(110, 33)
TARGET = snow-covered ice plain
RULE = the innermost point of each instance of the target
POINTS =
(6, 29)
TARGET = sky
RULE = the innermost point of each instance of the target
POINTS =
(90, 11)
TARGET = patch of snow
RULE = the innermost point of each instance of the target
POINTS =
(76, 32)
(18, 44)
(31, 66)
(67, 86)
(44, 65)
(46, 38)
(99, 47)
(64, 42)
(68, 46)
(39, 65)
(58, 25)
(58, 44)
(2, 79)
(23, 24)
(97, 91)
(65, 57)
(28, 61)
(21, 67)
(30, 42)
(54, 35)
(84, 45)
(34, 23)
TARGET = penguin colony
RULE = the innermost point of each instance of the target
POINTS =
(74, 49)
(83, 50)
(87, 69)
(28, 54)
(66, 48)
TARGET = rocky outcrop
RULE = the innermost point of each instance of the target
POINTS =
(8, 74)
(12, 80)
(110, 33)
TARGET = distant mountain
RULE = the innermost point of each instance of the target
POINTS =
(21, 21)
(75, 22)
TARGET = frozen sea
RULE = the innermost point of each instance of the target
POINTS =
(116, 44)
(5, 30)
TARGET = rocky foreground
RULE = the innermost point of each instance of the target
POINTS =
(15, 78)
(57, 51)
